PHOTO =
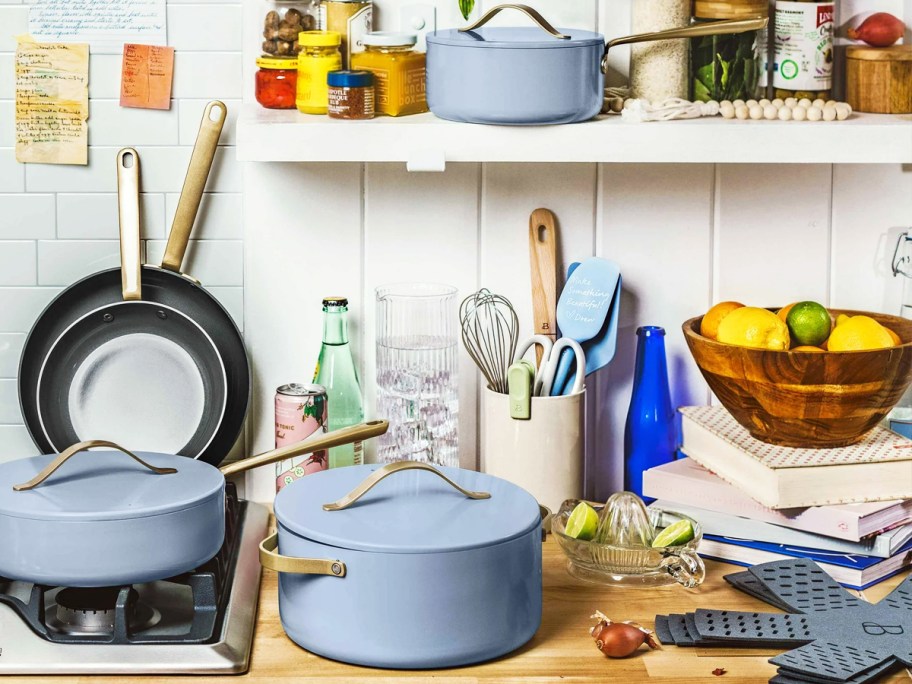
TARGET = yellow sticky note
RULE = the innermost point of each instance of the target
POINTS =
(52, 102)
(146, 76)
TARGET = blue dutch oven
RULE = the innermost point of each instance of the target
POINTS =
(437, 567)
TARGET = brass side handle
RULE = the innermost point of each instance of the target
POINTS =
(128, 218)
(272, 559)
(530, 12)
(85, 446)
(390, 468)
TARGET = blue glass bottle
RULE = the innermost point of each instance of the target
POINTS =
(649, 436)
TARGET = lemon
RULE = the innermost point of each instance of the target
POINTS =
(842, 318)
(896, 339)
(709, 325)
(582, 523)
(808, 323)
(751, 326)
(857, 333)
(675, 534)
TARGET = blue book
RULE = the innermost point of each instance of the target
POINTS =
(851, 570)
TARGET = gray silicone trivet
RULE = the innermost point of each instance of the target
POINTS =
(679, 630)
(785, 676)
(729, 625)
(746, 582)
(662, 631)
(692, 631)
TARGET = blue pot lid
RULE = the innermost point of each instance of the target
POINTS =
(407, 512)
(526, 37)
(106, 485)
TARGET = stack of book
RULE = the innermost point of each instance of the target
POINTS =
(848, 509)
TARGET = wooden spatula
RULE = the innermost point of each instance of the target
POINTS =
(543, 259)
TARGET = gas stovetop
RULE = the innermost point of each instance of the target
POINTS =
(198, 623)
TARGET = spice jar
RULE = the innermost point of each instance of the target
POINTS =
(727, 67)
(400, 80)
(351, 94)
(276, 82)
(319, 55)
(803, 63)
(282, 25)
(349, 18)
(659, 70)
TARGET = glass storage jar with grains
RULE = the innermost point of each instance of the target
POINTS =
(283, 22)
(319, 55)
(659, 70)
(400, 81)
(728, 67)
(803, 64)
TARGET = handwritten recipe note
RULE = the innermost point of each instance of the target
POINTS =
(146, 76)
(52, 102)
(105, 24)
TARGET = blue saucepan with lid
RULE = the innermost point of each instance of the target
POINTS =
(430, 567)
(532, 74)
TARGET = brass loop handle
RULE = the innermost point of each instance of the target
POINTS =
(530, 12)
(371, 480)
(128, 218)
(272, 559)
(85, 446)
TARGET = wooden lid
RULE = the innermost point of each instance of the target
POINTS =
(896, 53)
(730, 9)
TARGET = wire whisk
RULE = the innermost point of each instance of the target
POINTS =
(490, 333)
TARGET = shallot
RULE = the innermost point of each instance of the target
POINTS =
(620, 639)
(881, 29)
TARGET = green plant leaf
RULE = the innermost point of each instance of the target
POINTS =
(466, 7)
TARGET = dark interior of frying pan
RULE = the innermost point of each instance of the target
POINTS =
(134, 372)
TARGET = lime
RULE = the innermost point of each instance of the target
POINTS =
(582, 523)
(674, 535)
(808, 323)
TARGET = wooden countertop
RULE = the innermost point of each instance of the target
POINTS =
(562, 650)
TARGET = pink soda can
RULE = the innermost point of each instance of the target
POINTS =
(300, 411)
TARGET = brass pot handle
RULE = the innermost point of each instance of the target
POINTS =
(85, 446)
(388, 470)
(533, 14)
(128, 218)
(272, 559)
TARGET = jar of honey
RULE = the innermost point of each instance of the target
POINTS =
(319, 55)
(399, 72)
(276, 82)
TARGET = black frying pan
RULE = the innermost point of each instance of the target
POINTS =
(167, 369)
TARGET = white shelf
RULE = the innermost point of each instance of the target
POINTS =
(426, 142)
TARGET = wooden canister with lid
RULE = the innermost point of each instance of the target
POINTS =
(879, 80)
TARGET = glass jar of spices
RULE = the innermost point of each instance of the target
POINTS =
(351, 19)
(727, 67)
(283, 22)
(351, 94)
(276, 82)
(400, 82)
(319, 55)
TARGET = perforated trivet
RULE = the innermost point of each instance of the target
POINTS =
(844, 639)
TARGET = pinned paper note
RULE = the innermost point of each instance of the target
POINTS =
(52, 102)
(145, 79)
(105, 24)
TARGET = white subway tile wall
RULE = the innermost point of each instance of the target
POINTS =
(59, 223)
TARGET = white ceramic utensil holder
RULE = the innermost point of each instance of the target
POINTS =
(543, 455)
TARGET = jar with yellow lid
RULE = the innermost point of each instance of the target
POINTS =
(399, 72)
(319, 55)
(276, 82)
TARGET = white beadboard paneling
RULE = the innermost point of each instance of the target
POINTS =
(14, 20)
(27, 216)
(63, 262)
(432, 237)
(232, 298)
(656, 223)
(17, 262)
(12, 173)
(204, 27)
(219, 217)
(7, 123)
(207, 74)
(871, 206)
(21, 306)
(9, 403)
(773, 234)
(212, 262)
(191, 113)
(10, 350)
(291, 265)
(93, 216)
(112, 125)
(15, 442)
(104, 78)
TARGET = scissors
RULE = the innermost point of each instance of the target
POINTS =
(551, 353)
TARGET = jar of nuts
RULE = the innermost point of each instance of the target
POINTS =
(283, 22)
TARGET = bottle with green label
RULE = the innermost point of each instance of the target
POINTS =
(336, 372)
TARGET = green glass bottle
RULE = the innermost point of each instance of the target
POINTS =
(336, 372)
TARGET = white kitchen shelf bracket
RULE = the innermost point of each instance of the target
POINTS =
(426, 161)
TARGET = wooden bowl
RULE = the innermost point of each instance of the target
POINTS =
(806, 399)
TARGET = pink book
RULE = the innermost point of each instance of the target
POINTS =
(685, 481)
